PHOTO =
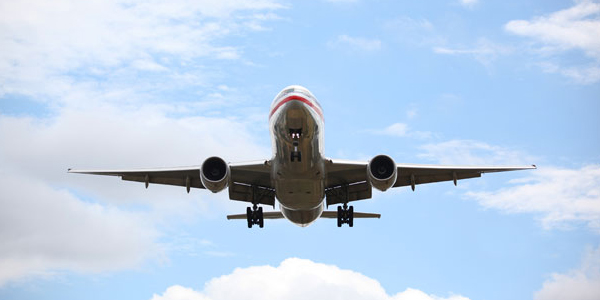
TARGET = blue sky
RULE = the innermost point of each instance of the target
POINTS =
(129, 84)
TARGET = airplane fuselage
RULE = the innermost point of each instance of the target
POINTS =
(298, 165)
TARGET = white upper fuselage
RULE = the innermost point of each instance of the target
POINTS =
(297, 166)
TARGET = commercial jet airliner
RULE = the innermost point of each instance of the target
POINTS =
(298, 175)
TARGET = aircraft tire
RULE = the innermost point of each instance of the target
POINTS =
(249, 216)
(351, 216)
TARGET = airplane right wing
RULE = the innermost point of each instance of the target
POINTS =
(414, 174)
(349, 180)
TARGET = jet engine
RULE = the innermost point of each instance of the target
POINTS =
(214, 174)
(382, 172)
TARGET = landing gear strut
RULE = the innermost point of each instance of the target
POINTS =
(254, 216)
(345, 215)
(295, 134)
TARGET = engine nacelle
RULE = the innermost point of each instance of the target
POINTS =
(382, 172)
(214, 174)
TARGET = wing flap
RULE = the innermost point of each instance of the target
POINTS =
(252, 193)
(266, 215)
(257, 173)
(360, 215)
(348, 192)
(342, 172)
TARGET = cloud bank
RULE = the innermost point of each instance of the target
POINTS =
(578, 284)
(574, 28)
(95, 86)
(561, 197)
(294, 279)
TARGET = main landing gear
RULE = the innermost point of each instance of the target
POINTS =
(345, 215)
(254, 216)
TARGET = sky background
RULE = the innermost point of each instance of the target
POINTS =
(131, 84)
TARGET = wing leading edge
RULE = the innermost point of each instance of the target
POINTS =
(353, 175)
(250, 174)
(179, 176)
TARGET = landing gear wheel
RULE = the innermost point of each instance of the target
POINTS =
(249, 216)
(254, 216)
(351, 216)
(345, 215)
(261, 220)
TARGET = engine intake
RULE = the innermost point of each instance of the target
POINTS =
(382, 172)
(214, 174)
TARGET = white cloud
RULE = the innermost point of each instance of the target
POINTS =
(402, 130)
(581, 74)
(396, 129)
(45, 229)
(562, 197)
(469, 3)
(355, 43)
(102, 70)
(342, 1)
(51, 221)
(579, 284)
(574, 28)
(485, 51)
(470, 152)
(43, 49)
(577, 27)
(316, 281)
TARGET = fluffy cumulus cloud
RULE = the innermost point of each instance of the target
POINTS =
(294, 279)
(91, 85)
(579, 284)
(51, 220)
(574, 28)
(43, 229)
(561, 197)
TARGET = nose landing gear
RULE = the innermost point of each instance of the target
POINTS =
(254, 216)
(295, 134)
(345, 215)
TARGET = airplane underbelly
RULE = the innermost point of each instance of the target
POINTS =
(303, 218)
(300, 194)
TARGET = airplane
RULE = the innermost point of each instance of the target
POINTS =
(298, 175)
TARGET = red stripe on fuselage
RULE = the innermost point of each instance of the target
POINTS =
(298, 98)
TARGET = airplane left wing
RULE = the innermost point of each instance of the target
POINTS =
(180, 176)
(245, 177)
